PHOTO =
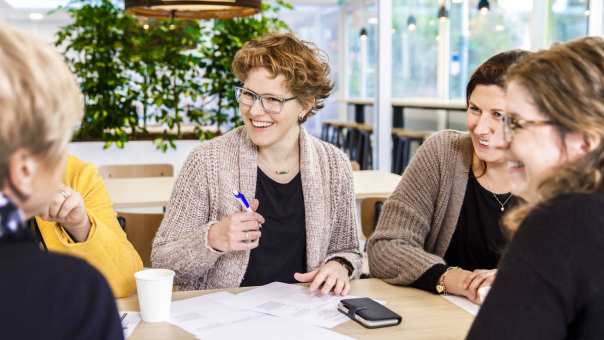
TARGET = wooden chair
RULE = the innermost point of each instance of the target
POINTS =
(370, 213)
(140, 227)
(140, 230)
(136, 170)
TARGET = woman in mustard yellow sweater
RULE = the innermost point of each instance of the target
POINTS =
(80, 221)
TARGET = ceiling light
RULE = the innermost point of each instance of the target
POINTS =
(193, 9)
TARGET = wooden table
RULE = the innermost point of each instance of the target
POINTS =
(144, 192)
(148, 192)
(374, 183)
(425, 316)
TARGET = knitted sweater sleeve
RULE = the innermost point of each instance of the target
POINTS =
(396, 249)
(181, 241)
(344, 240)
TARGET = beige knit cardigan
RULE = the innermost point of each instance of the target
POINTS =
(202, 195)
(419, 218)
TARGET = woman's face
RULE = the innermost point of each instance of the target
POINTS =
(536, 149)
(484, 119)
(268, 128)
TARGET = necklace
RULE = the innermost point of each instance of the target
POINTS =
(504, 203)
(281, 172)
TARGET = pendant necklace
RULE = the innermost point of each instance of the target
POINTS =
(504, 203)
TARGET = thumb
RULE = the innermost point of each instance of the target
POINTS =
(254, 204)
(306, 277)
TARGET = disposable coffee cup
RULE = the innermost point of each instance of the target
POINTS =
(154, 289)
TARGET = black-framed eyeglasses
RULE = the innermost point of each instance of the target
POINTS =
(270, 103)
(512, 124)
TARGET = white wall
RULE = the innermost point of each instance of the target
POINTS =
(134, 152)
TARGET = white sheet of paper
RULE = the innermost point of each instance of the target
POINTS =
(463, 303)
(483, 292)
(293, 302)
(129, 323)
(274, 328)
(204, 314)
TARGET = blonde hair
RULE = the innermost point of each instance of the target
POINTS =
(566, 84)
(40, 101)
(304, 66)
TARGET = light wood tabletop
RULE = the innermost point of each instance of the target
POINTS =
(425, 316)
(374, 183)
(149, 192)
(140, 192)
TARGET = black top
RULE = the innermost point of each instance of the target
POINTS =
(282, 248)
(50, 296)
(478, 240)
(550, 283)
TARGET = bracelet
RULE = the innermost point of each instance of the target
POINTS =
(441, 288)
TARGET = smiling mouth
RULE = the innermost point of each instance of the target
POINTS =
(261, 124)
(483, 142)
(515, 165)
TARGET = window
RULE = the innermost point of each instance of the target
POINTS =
(476, 36)
(361, 24)
(568, 20)
(415, 48)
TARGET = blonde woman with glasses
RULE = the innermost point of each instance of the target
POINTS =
(550, 283)
(301, 226)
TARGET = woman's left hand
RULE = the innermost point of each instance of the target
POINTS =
(478, 279)
(331, 276)
(67, 209)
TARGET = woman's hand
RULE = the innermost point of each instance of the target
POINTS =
(239, 231)
(478, 279)
(454, 281)
(331, 276)
(466, 283)
(67, 208)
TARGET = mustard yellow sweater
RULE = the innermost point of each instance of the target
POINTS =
(107, 248)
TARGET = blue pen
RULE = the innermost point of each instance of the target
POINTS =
(241, 198)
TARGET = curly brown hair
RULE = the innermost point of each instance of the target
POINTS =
(304, 66)
(566, 83)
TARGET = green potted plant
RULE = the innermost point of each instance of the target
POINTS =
(165, 72)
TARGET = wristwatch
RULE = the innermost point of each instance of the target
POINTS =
(441, 288)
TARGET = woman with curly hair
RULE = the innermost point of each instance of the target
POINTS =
(301, 226)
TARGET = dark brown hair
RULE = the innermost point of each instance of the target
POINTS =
(566, 84)
(304, 66)
(492, 71)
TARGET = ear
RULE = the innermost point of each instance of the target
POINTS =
(22, 169)
(306, 109)
(578, 144)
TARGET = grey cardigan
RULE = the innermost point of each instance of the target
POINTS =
(419, 218)
(202, 195)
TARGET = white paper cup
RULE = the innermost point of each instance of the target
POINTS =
(154, 289)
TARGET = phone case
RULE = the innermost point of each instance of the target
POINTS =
(369, 310)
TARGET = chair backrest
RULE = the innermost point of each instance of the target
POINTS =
(136, 170)
(141, 229)
(370, 212)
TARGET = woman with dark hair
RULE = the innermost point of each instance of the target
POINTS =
(439, 231)
(550, 284)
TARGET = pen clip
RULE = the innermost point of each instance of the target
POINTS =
(241, 198)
